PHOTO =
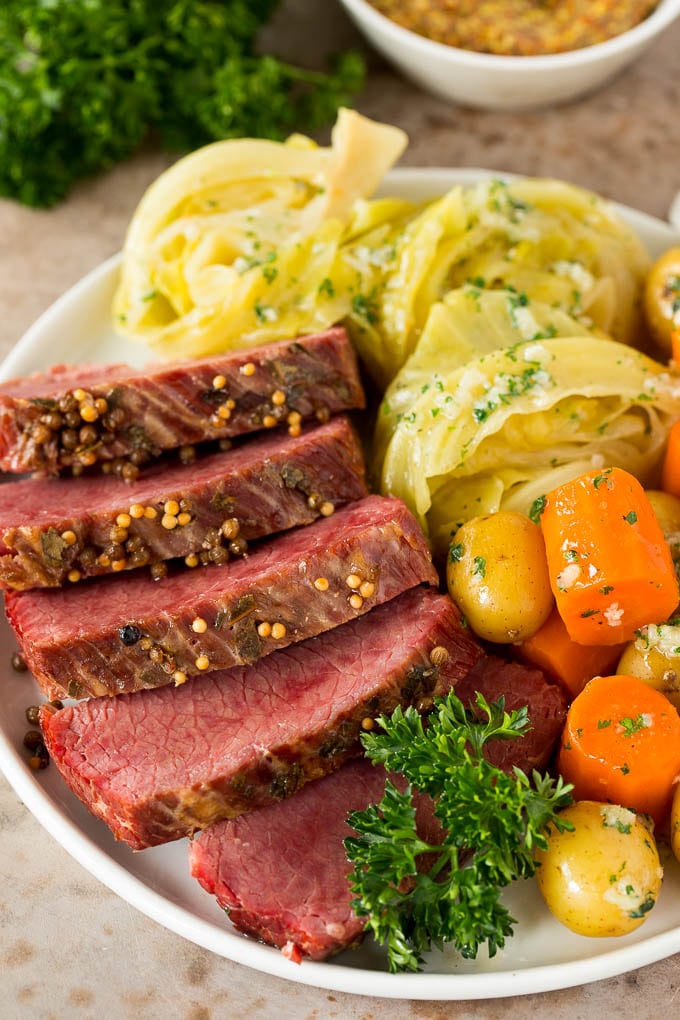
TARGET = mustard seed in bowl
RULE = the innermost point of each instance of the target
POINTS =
(517, 27)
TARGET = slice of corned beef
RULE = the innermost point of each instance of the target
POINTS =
(111, 635)
(519, 685)
(281, 873)
(74, 418)
(54, 530)
(158, 765)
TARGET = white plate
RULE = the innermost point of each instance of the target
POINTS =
(542, 956)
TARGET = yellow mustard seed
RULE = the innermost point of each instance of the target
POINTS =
(326, 509)
(278, 631)
(124, 520)
(202, 662)
(248, 368)
(294, 418)
(439, 655)
(150, 513)
(136, 511)
(264, 629)
(118, 565)
(321, 584)
(169, 521)
(366, 589)
(101, 404)
(294, 430)
(88, 412)
(87, 458)
(231, 527)
(171, 507)
(191, 560)
(353, 580)
(199, 626)
(183, 518)
(179, 677)
(219, 382)
(104, 560)
(356, 601)
(269, 421)
(79, 395)
(224, 412)
(367, 723)
(74, 575)
(278, 398)
(230, 404)
(69, 537)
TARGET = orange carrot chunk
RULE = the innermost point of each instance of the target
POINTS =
(621, 744)
(670, 468)
(610, 566)
(675, 349)
(570, 664)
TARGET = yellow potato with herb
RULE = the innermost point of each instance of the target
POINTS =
(497, 574)
(654, 656)
(675, 822)
(602, 878)
(662, 298)
(667, 510)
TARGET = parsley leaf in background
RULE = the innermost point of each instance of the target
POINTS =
(83, 81)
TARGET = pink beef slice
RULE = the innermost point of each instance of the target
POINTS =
(111, 635)
(272, 483)
(163, 407)
(281, 873)
(520, 686)
(160, 764)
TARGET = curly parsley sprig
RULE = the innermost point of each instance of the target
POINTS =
(493, 822)
(82, 82)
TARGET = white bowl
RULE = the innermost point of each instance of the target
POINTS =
(500, 82)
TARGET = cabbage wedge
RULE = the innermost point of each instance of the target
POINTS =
(236, 244)
(507, 426)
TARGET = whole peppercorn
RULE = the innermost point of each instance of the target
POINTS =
(33, 715)
(129, 634)
(18, 663)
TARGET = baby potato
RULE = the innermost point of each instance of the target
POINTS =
(497, 574)
(654, 657)
(675, 822)
(604, 877)
(662, 298)
(667, 510)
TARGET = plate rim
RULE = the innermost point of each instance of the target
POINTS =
(229, 943)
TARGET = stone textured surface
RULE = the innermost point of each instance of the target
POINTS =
(68, 946)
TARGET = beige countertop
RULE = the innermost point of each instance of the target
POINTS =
(68, 946)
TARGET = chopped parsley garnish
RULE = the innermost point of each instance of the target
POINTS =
(456, 553)
(365, 307)
(631, 726)
(537, 508)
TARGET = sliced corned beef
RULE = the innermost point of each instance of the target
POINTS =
(519, 685)
(57, 529)
(106, 636)
(158, 765)
(76, 417)
(281, 873)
